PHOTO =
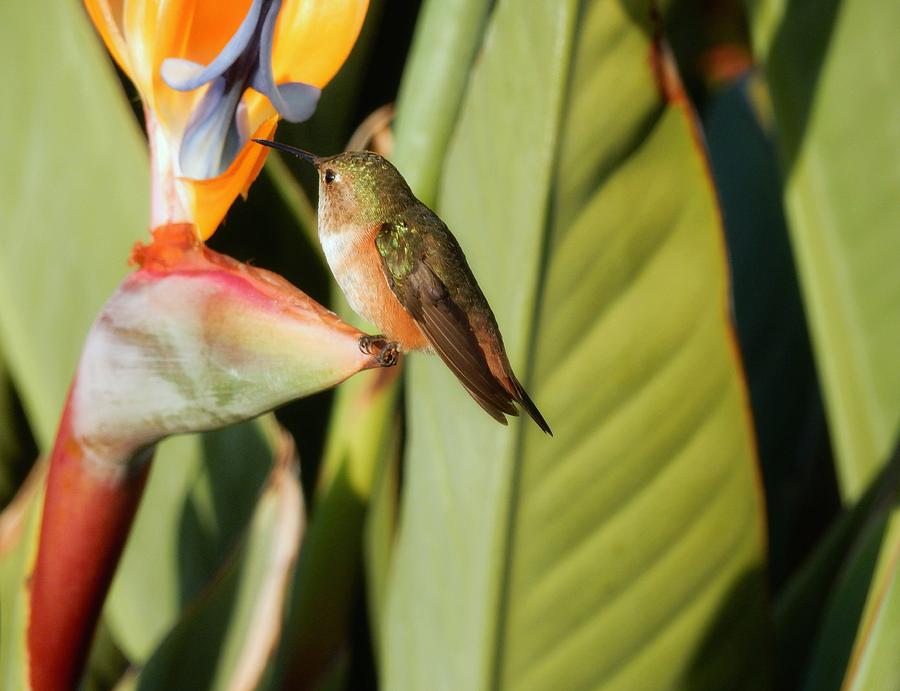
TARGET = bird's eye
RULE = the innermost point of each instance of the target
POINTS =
(330, 175)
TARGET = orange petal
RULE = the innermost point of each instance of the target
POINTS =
(312, 39)
(139, 19)
(211, 199)
(211, 26)
(167, 38)
(107, 18)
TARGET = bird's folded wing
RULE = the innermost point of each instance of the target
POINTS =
(442, 321)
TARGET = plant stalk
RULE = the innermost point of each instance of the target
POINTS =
(88, 509)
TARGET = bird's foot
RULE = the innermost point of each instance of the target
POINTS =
(372, 345)
(387, 353)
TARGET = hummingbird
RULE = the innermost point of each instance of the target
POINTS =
(401, 269)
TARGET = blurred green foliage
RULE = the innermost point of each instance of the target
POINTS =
(652, 256)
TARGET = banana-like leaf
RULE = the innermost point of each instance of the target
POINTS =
(801, 604)
(73, 198)
(380, 535)
(227, 638)
(770, 323)
(626, 551)
(865, 594)
(832, 68)
(448, 35)
(19, 527)
(199, 497)
(874, 663)
(327, 578)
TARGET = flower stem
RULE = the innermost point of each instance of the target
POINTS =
(166, 204)
(88, 510)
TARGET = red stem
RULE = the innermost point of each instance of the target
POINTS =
(86, 518)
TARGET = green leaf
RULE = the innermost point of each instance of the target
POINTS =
(831, 69)
(106, 663)
(227, 638)
(448, 34)
(873, 664)
(199, 498)
(19, 530)
(17, 451)
(626, 551)
(327, 578)
(844, 618)
(801, 603)
(380, 536)
(770, 323)
(73, 201)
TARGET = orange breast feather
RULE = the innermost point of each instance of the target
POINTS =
(358, 270)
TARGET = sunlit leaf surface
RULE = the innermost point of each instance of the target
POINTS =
(873, 664)
(447, 38)
(832, 69)
(856, 642)
(627, 551)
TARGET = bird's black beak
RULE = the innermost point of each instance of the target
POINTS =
(299, 153)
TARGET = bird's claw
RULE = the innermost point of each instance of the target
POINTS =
(389, 355)
(372, 345)
(386, 353)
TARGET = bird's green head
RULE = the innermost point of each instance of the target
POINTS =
(359, 187)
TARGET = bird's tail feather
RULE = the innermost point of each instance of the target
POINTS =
(528, 405)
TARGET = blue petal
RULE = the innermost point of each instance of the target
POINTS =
(294, 101)
(207, 141)
(184, 75)
(219, 126)
(263, 79)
